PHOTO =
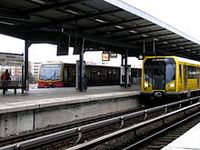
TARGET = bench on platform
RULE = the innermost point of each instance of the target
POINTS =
(5, 85)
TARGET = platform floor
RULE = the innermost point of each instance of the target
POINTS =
(188, 141)
(49, 93)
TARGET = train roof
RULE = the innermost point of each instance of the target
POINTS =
(185, 60)
(97, 65)
(179, 59)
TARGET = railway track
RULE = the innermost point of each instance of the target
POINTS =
(166, 138)
(104, 134)
(161, 137)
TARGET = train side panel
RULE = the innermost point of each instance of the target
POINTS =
(95, 75)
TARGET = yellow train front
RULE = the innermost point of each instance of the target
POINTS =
(169, 76)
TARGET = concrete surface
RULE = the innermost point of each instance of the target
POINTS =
(41, 108)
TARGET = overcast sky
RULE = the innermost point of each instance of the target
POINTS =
(183, 15)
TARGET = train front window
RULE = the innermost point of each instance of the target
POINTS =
(170, 71)
(159, 71)
(50, 72)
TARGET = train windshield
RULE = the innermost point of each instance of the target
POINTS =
(159, 71)
(50, 72)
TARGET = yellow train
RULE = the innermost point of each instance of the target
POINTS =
(166, 76)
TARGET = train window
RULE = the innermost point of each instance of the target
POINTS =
(185, 71)
(93, 74)
(148, 73)
(71, 73)
(163, 69)
(198, 72)
(109, 74)
(191, 72)
(170, 72)
(50, 71)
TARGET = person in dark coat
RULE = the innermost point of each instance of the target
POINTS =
(5, 78)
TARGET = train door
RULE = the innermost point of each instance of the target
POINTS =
(185, 77)
(65, 76)
(198, 77)
(159, 76)
(180, 82)
(71, 76)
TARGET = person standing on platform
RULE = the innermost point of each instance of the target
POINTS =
(5, 78)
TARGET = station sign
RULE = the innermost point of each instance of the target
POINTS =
(105, 57)
(11, 59)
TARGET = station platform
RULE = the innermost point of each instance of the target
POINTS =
(188, 141)
(68, 92)
(39, 108)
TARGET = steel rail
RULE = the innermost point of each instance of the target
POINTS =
(129, 129)
(161, 131)
(77, 131)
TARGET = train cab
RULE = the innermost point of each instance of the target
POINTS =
(50, 75)
(169, 76)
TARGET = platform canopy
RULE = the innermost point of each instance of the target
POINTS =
(110, 25)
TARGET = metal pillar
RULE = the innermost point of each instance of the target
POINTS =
(81, 67)
(122, 59)
(154, 46)
(26, 76)
(126, 68)
(144, 47)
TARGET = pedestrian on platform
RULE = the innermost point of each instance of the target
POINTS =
(5, 79)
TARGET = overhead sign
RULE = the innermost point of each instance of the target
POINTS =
(113, 55)
(105, 57)
(11, 59)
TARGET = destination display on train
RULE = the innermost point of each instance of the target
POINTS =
(161, 59)
(9, 59)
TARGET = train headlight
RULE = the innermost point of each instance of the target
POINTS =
(171, 85)
(146, 84)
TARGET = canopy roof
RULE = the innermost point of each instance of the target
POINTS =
(105, 24)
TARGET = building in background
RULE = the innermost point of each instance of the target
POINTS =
(34, 69)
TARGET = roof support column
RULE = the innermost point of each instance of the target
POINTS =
(154, 46)
(81, 67)
(81, 74)
(144, 47)
(25, 81)
(122, 59)
(126, 68)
